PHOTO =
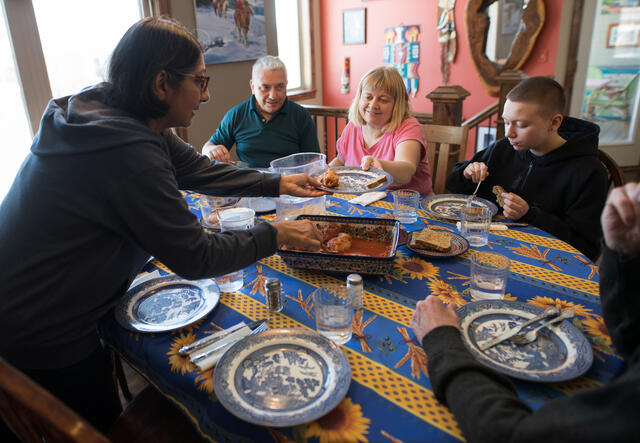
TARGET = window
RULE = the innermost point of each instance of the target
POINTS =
(294, 43)
(76, 40)
(14, 125)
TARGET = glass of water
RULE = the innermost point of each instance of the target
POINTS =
(334, 312)
(489, 274)
(405, 206)
(475, 225)
(234, 220)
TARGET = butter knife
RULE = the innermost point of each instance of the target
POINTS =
(199, 357)
(551, 312)
(206, 341)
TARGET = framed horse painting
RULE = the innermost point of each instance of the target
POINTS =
(231, 30)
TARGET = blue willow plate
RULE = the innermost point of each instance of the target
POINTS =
(282, 377)
(459, 244)
(166, 303)
(448, 206)
(353, 180)
(559, 353)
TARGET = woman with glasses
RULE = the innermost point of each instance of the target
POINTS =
(99, 194)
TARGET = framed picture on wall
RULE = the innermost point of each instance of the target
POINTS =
(354, 26)
(231, 31)
(621, 35)
(486, 136)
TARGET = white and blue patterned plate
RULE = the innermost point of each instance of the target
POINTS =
(166, 303)
(353, 180)
(282, 377)
(559, 353)
(448, 206)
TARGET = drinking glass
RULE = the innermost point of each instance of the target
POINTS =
(405, 206)
(489, 274)
(334, 312)
(233, 220)
(475, 224)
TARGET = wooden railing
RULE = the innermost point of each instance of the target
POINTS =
(482, 128)
(329, 123)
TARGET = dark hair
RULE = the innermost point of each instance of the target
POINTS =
(547, 93)
(149, 46)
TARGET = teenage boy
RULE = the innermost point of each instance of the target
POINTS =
(547, 165)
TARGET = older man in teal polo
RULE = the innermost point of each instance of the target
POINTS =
(268, 125)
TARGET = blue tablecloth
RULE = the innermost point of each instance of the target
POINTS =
(390, 397)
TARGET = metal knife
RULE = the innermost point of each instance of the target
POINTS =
(197, 358)
(510, 223)
(206, 341)
(551, 312)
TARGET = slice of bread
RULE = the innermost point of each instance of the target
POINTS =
(431, 239)
(375, 182)
(498, 190)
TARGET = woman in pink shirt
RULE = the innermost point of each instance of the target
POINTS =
(382, 134)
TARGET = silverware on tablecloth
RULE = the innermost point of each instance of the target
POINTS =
(513, 331)
(209, 339)
(530, 336)
(197, 358)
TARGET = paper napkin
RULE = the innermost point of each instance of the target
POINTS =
(143, 277)
(492, 227)
(368, 198)
(211, 360)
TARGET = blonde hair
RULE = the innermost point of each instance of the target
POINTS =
(388, 79)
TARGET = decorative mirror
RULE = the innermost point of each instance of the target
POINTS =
(501, 35)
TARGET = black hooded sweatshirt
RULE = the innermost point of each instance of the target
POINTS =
(96, 197)
(566, 189)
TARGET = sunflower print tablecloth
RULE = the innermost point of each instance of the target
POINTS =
(390, 397)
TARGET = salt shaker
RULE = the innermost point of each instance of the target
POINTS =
(355, 290)
(274, 294)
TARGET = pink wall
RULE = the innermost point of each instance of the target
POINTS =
(382, 14)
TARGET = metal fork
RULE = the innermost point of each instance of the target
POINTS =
(472, 196)
(197, 358)
(532, 335)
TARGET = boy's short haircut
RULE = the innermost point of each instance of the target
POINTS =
(547, 93)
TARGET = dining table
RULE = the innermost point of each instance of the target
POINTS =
(389, 398)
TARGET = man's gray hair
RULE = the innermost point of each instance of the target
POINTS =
(268, 63)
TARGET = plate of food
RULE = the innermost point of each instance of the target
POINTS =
(448, 206)
(559, 353)
(437, 243)
(166, 303)
(353, 180)
(282, 377)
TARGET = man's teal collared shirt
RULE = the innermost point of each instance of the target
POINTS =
(258, 140)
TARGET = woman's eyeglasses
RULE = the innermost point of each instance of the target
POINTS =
(202, 80)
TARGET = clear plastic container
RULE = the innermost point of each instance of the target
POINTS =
(311, 163)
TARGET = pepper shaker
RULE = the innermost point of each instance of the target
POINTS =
(274, 294)
(355, 290)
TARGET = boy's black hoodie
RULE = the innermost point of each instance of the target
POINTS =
(566, 189)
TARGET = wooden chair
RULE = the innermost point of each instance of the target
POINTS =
(35, 415)
(616, 178)
(446, 145)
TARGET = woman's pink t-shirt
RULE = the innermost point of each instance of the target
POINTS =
(350, 147)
